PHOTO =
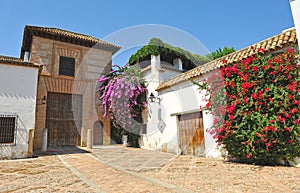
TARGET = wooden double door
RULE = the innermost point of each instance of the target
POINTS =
(63, 119)
(191, 134)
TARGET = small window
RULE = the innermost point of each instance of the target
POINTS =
(66, 66)
(8, 125)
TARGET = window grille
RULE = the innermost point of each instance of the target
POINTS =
(66, 66)
(8, 129)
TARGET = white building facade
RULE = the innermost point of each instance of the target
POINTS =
(18, 91)
(171, 109)
(175, 122)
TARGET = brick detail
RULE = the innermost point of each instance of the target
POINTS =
(60, 85)
(68, 52)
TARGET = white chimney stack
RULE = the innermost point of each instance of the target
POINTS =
(27, 56)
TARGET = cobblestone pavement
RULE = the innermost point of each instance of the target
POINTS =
(74, 170)
(119, 169)
(215, 175)
(43, 174)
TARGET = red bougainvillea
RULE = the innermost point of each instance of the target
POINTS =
(257, 111)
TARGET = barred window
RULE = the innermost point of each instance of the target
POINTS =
(66, 66)
(8, 128)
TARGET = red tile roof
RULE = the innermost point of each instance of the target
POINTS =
(284, 39)
(17, 61)
(64, 36)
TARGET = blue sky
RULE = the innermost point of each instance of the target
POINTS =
(214, 23)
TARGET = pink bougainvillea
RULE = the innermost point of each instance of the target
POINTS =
(123, 94)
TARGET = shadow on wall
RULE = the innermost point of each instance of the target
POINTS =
(16, 96)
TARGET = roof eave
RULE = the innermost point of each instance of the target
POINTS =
(30, 31)
(20, 63)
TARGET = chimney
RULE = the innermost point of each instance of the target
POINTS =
(27, 56)
(295, 7)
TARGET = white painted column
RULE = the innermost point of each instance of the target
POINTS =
(155, 61)
(178, 63)
(155, 65)
(155, 75)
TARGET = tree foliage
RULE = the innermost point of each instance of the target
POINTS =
(157, 47)
(220, 53)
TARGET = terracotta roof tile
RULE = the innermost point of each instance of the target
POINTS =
(281, 40)
(17, 61)
(64, 36)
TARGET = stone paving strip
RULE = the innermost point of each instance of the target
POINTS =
(105, 178)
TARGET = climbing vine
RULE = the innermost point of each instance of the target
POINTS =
(157, 47)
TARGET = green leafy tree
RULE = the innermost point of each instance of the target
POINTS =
(220, 53)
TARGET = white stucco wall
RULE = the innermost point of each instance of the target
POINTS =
(162, 128)
(183, 97)
(18, 88)
(168, 74)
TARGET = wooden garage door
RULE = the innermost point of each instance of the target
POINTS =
(64, 119)
(191, 134)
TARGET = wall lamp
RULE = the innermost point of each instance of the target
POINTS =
(43, 100)
(153, 99)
